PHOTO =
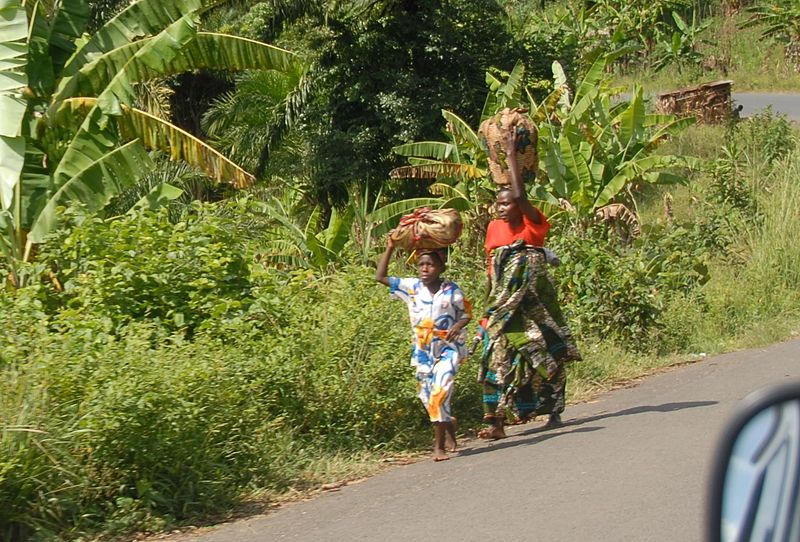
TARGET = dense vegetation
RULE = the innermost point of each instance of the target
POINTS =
(176, 345)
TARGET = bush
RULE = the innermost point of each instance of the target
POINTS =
(142, 267)
(752, 147)
(613, 291)
(127, 428)
(117, 420)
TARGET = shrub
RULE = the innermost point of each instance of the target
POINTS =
(142, 267)
(128, 428)
(615, 291)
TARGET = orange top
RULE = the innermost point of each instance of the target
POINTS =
(500, 233)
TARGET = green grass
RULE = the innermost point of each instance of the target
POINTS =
(753, 63)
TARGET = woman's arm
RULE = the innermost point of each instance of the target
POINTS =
(383, 265)
(517, 186)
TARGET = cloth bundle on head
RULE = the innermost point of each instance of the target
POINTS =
(493, 133)
(427, 229)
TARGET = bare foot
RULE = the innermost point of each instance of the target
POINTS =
(450, 443)
(440, 455)
(553, 422)
(492, 433)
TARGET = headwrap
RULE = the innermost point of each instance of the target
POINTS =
(440, 253)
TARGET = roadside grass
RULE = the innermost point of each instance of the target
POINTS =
(110, 435)
(753, 63)
(753, 296)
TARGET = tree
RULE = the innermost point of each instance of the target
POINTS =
(380, 71)
(381, 80)
(73, 132)
(591, 148)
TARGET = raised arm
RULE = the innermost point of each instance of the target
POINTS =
(383, 264)
(517, 186)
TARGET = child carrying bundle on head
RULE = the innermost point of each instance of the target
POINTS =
(438, 311)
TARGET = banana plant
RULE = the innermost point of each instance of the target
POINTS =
(71, 130)
(597, 147)
(460, 165)
(592, 147)
(304, 245)
(300, 239)
(779, 20)
(682, 48)
(373, 221)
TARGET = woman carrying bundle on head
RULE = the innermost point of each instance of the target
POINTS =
(438, 311)
(526, 338)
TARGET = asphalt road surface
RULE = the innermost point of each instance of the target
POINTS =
(633, 465)
(754, 102)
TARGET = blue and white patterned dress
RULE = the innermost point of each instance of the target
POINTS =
(435, 358)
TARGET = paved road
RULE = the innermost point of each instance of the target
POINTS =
(753, 102)
(631, 466)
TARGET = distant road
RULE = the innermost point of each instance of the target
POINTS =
(753, 102)
(632, 465)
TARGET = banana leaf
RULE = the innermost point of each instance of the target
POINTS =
(155, 133)
(631, 121)
(13, 51)
(12, 158)
(140, 19)
(158, 197)
(461, 129)
(387, 217)
(94, 185)
(97, 134)
(578, 175)
(41, 75)
(337, 234)
(435, 171)
(15, 21)
(204, 51)
(431, 149)
(68, 23)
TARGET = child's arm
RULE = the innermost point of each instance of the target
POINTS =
(455, 329)
(381, 273)
(465, 307)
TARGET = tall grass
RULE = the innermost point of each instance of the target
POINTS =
(774, 267)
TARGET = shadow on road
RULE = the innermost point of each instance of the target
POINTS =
(666, 407)
(511, 441)
(540, 434)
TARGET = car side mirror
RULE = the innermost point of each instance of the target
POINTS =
(756, 474)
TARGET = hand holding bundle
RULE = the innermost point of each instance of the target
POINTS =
(493, 133)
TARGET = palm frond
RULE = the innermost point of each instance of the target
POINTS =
(435, 171)
(198, 51)
(140, 19)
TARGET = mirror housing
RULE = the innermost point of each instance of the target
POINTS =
(754, 494)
